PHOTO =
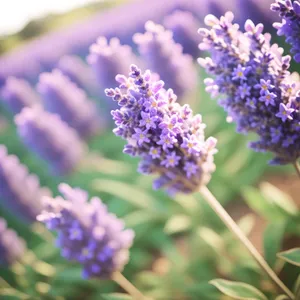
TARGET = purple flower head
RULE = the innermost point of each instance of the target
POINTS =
(19, 190)
(165, 57)
(175, 148)
(108, 59)
(264, 100)
(183, 25)
(65, 98)
(290, 25)
(78, 72)
(17, 94)
(51, 138)
(12, 247)
(87, 232)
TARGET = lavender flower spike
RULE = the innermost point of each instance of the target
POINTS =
(290, 25)
(260, 94)
(165, 57)
(184, 25)
(88, 233)
(166, 135)
(19, 190)
(63, 97)
(78, 72)
(12, 247)
(17, 94)
(109, 58)
(51, 138)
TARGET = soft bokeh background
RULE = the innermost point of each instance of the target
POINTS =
(180, 244)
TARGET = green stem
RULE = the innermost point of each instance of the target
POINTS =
(234, 228)
(128, 286)
(297, 167)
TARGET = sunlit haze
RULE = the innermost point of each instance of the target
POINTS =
(15, 14)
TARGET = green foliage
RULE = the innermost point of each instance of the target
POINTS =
(291, 256)
(238, 290)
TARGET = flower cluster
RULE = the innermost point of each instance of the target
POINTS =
(87, 232)
(183, 24)
(19, 190)
(109, 58)
(65, 98)
(12, 247)
(166, 135)
(17, 94)
(77, 71)
(165, 57)
(290, 25)
(260, 94)
(50, 138)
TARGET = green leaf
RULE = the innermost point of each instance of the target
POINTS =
(238, 290)
(282, 297)
(292, 256)
(116, 296)
(177, 223)
(279, 199)
(127, 192)
(273, 236)
(11, 292)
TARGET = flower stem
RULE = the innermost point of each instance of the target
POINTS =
(233, 227)
(128, 286)
(297, 167)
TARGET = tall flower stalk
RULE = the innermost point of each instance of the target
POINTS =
(90, 235)
(171, 142)
(258, 92)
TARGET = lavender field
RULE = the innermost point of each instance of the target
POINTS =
(150, 150)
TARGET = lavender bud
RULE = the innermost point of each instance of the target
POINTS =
(290, 23)
(108, 59)
(63, 97)
(165, 57)
(166, 135)
(183, 24)
(19, 190)
(17, 94)
(50, 138)
(261, 94)
(87, 232)
(12, 247)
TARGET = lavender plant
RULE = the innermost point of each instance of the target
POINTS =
(50, 138)
(289, 11)
(183, 26)
(89, 234)
(17, 94)
(170, 141)
(109, 58)
(19, 190)
(259, 92)
(63, 97)
(12, 247)
(165, 57)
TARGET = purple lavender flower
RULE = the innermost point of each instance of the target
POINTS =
(19, 190)
(290, 25)
(109, 58)
(165, 57)
(17, 94)
(12, 247)
(175, 148)
(51, 138)
(87, 232)
(183, 24)
(266, 100)
(63, 97)
(78, 72)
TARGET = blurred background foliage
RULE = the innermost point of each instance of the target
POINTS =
(180, 244)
